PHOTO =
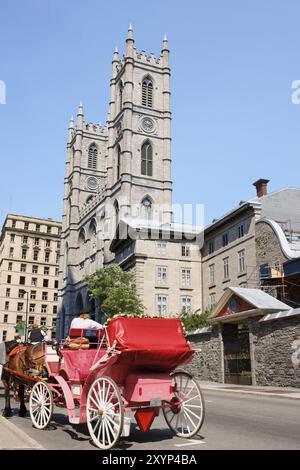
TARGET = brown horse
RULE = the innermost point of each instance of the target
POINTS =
(24, 360)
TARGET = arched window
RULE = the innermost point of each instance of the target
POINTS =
(147, 159)
(147, 92)
(118, 162)
(121, 95)
(117, 211)
(146, 208)
(92, 157)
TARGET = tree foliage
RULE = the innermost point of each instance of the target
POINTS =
(115, 292)
(192, 321)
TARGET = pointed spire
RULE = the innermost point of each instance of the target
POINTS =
(80, 115)
(130, 33)
(165, 43)
(116, 55)
(71, 123)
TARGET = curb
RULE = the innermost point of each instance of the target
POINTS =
(28, 441)
(288, 396)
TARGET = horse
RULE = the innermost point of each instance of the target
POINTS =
(25, 360)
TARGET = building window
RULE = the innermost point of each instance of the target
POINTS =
(243, 284)
(46, 270)
(37, 228)
(118, 162)
(34, 281)
(10, 266)
(45, 283)
(55, 297)
(147, 159)
(35, 269)
(147, 92)
(44, 295)
(92, 156)
(26, 225)
(48, 243)
(20, 306)
(44, 309)
(57, 258)
(24, 253)
(185, 250)
(211, 247)
(33, 294)
(241, 230)
(35, 255)
(186, 277)
(161, 248)
(225, 239)
(22, 280)
(11, 252)
(21, 294)
(23, 268)
(31, 320)
(47, 256)
(48, 229)
(5, 318)
(211, 269)
(12, 238)
(14, 223)
(54, 320)
(55, 309)
(161, 305)
(56, 271)
(19, 319)
(9, 279)
(7, 293)
(226, 267)
(36, 241)
(32, 308)
(186, 304)
(43, 321)
(242, 266)
(4, 335)
(212, 300)
(6, 305)
(55, 284)
(161, 274)
(25, 240)
(146, 209)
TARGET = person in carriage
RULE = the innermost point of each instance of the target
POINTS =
(84, 322)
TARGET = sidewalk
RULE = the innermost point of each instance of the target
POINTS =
(11, 437)
(282, 392)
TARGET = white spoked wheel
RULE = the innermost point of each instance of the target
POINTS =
(41, 405)
(105, 413)
(184, 414)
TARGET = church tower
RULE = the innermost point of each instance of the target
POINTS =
(139, 134)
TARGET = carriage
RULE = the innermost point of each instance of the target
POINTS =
(129, 369)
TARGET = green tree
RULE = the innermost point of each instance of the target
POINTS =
(115, 292)
(192, 321)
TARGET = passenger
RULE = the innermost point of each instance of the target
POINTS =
(84, 322)
(37, 335)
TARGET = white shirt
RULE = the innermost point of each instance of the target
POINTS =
(86, 324)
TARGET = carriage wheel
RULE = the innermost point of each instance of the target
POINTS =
(41, 405)
(105, 412)
(184, 414)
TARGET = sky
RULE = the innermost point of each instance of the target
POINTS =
(233, 63)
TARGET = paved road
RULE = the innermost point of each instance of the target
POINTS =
(233, 421)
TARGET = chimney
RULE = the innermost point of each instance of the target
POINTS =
(261, 187)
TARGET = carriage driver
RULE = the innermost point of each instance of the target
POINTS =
(84, 322)
(37, 335)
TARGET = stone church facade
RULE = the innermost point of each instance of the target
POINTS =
(119, 176)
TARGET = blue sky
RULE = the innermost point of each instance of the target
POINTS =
(232, 65)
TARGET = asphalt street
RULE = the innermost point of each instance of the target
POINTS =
(232, 421)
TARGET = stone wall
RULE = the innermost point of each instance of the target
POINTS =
(207, 364)
(277, 352)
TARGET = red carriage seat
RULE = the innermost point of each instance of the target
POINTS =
(157, 343)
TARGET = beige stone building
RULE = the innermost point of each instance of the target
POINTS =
(262, 230)
(122, 171)
(29, 256)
